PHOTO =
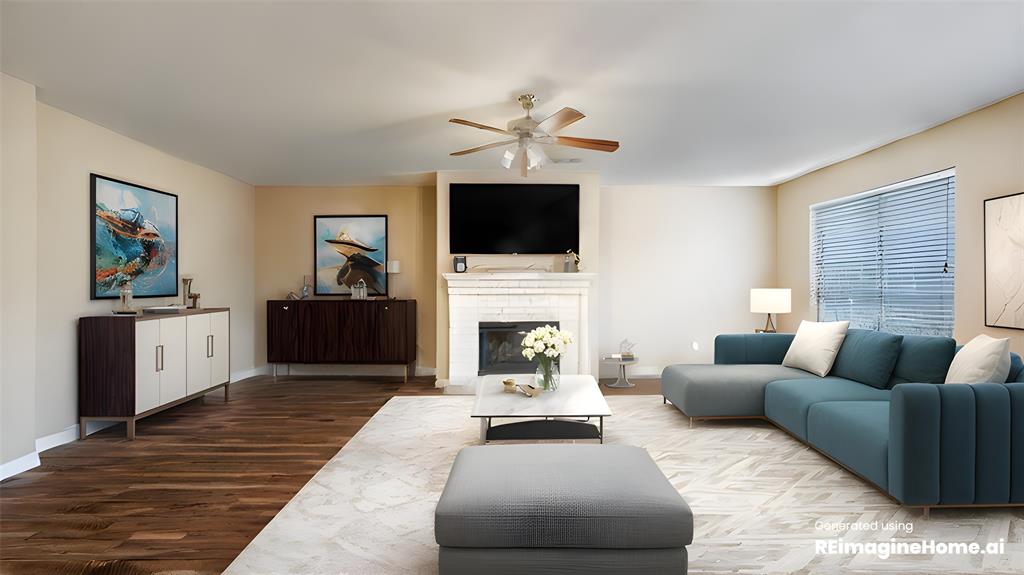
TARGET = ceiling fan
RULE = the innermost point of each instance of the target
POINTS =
(529, 134)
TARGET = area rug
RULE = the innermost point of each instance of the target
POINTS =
(761, 500)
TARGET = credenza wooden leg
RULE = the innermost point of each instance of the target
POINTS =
(81, 428)
(410, 371)
(226, 386)
(131, 428)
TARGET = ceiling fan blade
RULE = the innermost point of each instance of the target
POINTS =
(483, 147)
(481, 126)
(587, 143)
(559, 120)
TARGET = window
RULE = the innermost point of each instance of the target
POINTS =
(884, 259)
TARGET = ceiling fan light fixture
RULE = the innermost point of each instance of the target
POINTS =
(535, 156)
(507, 158)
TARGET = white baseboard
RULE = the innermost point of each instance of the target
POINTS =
(633, 372)
(67, 435)
(351, 370)
(247, 373)
(64, 436)
(19, 465)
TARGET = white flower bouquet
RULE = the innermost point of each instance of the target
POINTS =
(546, 344)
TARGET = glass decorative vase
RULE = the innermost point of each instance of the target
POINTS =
(548, 375)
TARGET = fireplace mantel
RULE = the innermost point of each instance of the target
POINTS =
(476, 297)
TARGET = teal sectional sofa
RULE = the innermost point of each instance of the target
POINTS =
(882, 412)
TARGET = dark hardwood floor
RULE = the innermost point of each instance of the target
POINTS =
(197, 484)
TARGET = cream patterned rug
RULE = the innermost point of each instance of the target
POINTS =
(760, 500)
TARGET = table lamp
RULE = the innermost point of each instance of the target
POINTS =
(769, 301)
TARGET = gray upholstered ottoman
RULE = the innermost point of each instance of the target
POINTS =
(511, 509)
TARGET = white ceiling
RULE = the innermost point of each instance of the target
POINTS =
(342, 93)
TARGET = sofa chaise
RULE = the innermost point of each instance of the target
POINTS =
(883, 413)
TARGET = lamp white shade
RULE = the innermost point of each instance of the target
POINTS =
(770, 300)
(394, 267)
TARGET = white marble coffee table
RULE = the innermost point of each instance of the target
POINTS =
(562, 414)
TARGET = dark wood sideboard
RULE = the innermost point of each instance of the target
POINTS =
(342, 331)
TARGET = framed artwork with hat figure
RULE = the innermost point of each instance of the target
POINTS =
(347, 249)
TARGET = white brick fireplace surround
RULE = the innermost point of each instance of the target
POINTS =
(512, 296)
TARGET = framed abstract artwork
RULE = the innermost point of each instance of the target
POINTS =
(134, 237)
(347, 249)
(1004, 261)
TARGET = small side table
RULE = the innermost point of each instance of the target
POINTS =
(622, 381)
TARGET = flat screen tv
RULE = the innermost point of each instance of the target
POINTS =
(513, 218)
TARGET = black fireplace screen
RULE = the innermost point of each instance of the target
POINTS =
(501, 349)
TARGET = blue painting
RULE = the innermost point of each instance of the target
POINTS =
(135, 239)
(348, 249)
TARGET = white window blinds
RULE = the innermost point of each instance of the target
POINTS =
(884, 259)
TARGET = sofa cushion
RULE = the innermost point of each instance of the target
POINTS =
(984, 359)
(854, 433)
(868, 356)
(923, 359)
(1016, 369)
(732, 348)
(787, 402)
(816, 345)
(701, 390)
(568, 496)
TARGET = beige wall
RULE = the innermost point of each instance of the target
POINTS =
(590, 212)
(677, 265)
(18, 264)
(284, 242)
(987, 150)
(215, 218)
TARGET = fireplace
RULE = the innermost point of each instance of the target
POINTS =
(501, 346)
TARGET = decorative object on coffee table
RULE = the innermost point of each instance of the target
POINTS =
(769, 301)
(546, 344)
(1004, 261)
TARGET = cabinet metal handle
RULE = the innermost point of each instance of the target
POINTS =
(209, 346)
(285, 308)
(156, 359)
(161, 348)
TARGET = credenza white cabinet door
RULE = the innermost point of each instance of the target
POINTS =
(197, 353)
(172, 372)
(220, 345)
(147, 364)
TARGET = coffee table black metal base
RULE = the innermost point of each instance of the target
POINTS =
(539, 429)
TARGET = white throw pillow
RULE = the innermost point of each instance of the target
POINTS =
(815, 346)
(983, 360)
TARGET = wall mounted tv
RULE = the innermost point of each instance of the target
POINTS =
(513, 218)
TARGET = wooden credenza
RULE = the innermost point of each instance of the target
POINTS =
(345, 331)
(133, 366)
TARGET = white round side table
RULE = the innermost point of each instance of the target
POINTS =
(622, 381)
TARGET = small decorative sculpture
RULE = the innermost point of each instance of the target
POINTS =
(307, 286)
(186, 289)
(125, 298)
(626, 348)
(573, 262)
(195, 300)
(359, 290)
